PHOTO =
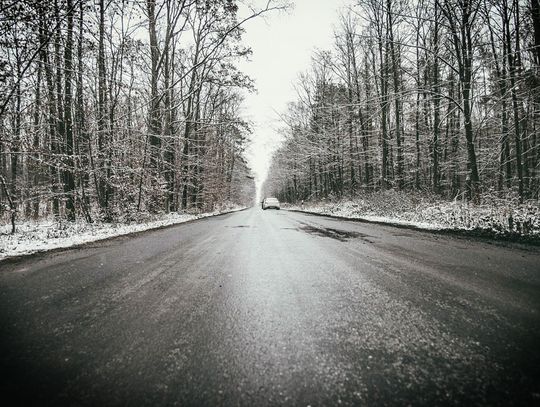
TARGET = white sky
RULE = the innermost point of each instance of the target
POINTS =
(282, 45)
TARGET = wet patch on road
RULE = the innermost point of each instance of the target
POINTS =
(240, 226)
(337, 234)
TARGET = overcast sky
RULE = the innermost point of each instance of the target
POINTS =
(282, 46)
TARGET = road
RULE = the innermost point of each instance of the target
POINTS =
(263, 308)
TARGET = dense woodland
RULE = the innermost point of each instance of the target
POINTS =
(113, 108)
(437, 96)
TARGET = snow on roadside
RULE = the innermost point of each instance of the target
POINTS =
(496, 217)
(32, 237)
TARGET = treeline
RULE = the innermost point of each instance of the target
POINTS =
(431, 95)
(110, 108)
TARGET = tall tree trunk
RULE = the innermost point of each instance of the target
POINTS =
(33, 208)
(511, 58)
(68, 176)
(396, 66)
(153, 114)
(383, 57)
(82, 140)
(16, 143)
(505, 167)
(102, 187)
(436, 103)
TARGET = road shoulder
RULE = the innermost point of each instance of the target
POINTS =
(41, 239)
(514, 239)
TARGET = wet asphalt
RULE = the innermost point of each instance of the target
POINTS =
(260, 308)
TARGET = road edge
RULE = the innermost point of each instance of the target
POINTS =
(480, 234)
(38, 253)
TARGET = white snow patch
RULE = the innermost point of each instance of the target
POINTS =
(496, 216)
(32, 237)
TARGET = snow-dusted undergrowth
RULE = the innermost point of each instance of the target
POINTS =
(494, 216)
(48, 234)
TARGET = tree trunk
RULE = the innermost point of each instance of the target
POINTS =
(102, 187)
(153, 119)
(68, 176)
(396, 65)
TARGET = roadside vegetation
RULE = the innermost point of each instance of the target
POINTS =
(51, 233)
(495, 217)
(113, 111)
(426, 111)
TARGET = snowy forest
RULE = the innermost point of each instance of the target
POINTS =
(120, 111)
(436, 96)
(110, 109)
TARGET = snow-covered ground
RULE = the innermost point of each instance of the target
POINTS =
(495, 217)
(31, 237)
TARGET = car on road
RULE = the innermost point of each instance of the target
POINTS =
(269, 203)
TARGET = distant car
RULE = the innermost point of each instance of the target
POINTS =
(269, 203)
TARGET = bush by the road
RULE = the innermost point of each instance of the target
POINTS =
(497, 216)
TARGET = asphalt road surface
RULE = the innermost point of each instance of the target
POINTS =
(263, 308)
